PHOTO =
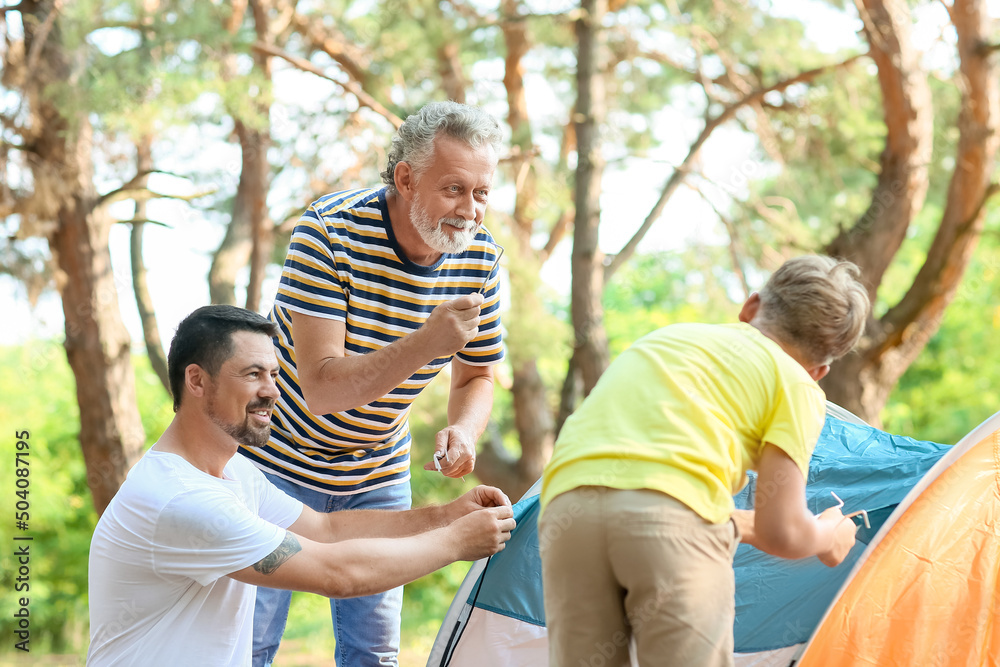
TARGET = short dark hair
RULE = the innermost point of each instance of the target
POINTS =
(205, 337)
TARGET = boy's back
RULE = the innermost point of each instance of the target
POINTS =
(686, 410)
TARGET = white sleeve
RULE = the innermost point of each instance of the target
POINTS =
(207, 534)
(275, 505)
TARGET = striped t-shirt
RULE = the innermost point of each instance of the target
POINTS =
(345, 264)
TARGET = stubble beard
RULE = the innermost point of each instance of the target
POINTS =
(247, 433)
(433, 233)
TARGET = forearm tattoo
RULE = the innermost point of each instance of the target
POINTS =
(271, 562)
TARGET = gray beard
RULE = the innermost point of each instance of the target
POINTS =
(434, 236)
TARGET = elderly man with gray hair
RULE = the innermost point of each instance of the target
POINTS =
(382, 288)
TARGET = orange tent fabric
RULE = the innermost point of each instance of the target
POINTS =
(927, 592)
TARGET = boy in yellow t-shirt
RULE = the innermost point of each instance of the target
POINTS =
(638, 529)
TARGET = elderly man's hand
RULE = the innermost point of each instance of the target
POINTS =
(452, 325)
(455, 451)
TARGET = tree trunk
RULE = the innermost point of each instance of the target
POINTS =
(143, 299)
(97, 346)
(255, 176)
(250, 234)
(862, 381)
(590, 345)
(251, 201)
(533, 420)
(902, 184)
(97, 343)
(450, 70)
(232, 255)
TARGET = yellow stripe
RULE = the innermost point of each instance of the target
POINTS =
(334, 480)
(332, 285)
(310, 259)
(315, 301)
(349, 200)
(346, 417)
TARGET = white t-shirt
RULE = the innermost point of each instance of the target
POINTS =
(159, 594)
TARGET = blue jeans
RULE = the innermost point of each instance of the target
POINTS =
(366, 628)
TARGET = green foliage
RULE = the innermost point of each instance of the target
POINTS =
(185, 77)
(38, 395)
(137, 80)
(535, 327)
(830, 140)
(949, 389)
(655, 290)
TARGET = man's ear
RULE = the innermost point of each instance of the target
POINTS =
(405, 180)
(195, 378)
(819, 372)
(750, 307)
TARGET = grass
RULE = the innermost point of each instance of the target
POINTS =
(309, 641)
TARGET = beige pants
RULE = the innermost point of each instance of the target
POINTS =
(618, 565)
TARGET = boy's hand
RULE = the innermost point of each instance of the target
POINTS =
(843, 536)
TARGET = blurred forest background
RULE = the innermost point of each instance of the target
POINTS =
(663, 157)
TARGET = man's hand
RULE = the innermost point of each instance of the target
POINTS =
(483, 532)
(478, 498)
(843, 536)
(455, 451)
(452, 324)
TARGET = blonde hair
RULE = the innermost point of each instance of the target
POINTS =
(817, 304)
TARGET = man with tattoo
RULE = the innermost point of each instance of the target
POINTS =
(177, 555)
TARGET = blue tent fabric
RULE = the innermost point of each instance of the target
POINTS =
(511, 583)
(778, 602)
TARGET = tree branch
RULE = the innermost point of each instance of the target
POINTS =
(134, 184)
(18, 147)
(145, 194)
(140, 285)
(144, 221)
(340, 49)
(364, 99)
(40, 37)
(557, 234)
(734, 240)
(682, 170)
(876, 236)
(475, 18)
